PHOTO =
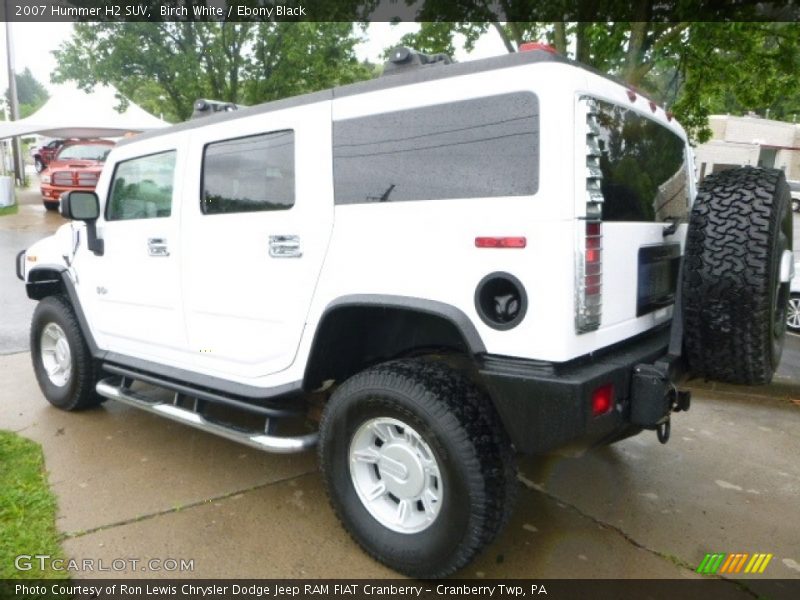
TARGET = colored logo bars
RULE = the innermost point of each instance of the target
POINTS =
(720, 563)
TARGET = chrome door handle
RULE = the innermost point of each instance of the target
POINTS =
(157, 247)
(285, 246)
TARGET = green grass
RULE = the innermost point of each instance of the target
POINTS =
(8, 210)
(27, 508)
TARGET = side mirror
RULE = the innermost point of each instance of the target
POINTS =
(84, 206)
(80, 206)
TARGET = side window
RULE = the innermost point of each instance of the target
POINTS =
(142, 188)
(249, 174)
(478, 148)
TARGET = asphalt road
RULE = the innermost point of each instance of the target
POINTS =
(132, 485)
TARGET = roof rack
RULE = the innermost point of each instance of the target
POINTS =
(204, 107)
(403, 59)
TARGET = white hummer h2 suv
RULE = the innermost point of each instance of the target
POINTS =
(455, 262)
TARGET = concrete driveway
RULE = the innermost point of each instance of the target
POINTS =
(17, 232)
(131, 485)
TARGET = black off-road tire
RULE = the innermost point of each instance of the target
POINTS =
(476, 459)
(734, 303)
(78, 392)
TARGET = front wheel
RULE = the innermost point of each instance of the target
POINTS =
(416, 466)
(62, 362)
(793, 314)
(38, 163)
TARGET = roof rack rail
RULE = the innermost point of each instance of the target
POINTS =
(204, 107)
(402, 59)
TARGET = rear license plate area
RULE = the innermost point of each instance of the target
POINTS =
(657, 277)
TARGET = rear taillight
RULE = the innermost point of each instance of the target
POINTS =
(589, 267)
(590, 278)
(602, 400)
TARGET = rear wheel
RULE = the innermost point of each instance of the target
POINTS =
(735, 290)
(62, 362)
(416, 466)
(793, 314)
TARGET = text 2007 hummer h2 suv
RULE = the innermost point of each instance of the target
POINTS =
(458, 262)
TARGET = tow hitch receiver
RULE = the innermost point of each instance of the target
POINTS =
(654, 397)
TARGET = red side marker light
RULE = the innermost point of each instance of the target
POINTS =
(602, 400)
(500, 242)
(530, 46)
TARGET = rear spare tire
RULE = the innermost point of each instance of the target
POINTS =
(734, 297)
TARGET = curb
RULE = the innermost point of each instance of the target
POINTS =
(787, 390)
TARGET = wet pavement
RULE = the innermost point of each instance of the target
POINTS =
(130, 484)
(18, 232)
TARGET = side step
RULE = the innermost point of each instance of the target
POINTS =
(269, 443)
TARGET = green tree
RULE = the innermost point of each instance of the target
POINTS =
(694, 68)
(31, 94)
(165, 66)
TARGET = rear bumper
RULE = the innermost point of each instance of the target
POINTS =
(545, 406)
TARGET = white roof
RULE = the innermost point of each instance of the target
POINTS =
(71, 112)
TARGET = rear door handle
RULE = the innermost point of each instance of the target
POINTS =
(285, 246)
(157, 247)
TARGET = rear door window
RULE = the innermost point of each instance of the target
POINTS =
(249, 174)
(643, 165)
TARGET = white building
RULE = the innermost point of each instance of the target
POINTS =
(738, 141)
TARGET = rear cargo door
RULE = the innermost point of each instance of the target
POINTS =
(645, 182)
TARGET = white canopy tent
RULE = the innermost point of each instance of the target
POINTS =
(72, 113)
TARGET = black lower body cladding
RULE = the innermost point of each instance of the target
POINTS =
(734, 301)
(544, 406)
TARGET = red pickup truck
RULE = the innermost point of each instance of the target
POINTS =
(77, 166)
(43, 155)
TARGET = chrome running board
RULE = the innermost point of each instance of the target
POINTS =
(255, 439)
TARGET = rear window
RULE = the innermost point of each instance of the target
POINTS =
(484, 147)
(643, 165)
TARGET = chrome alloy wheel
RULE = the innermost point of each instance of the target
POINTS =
(55, 354)
(793, 315)
(396, 475)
